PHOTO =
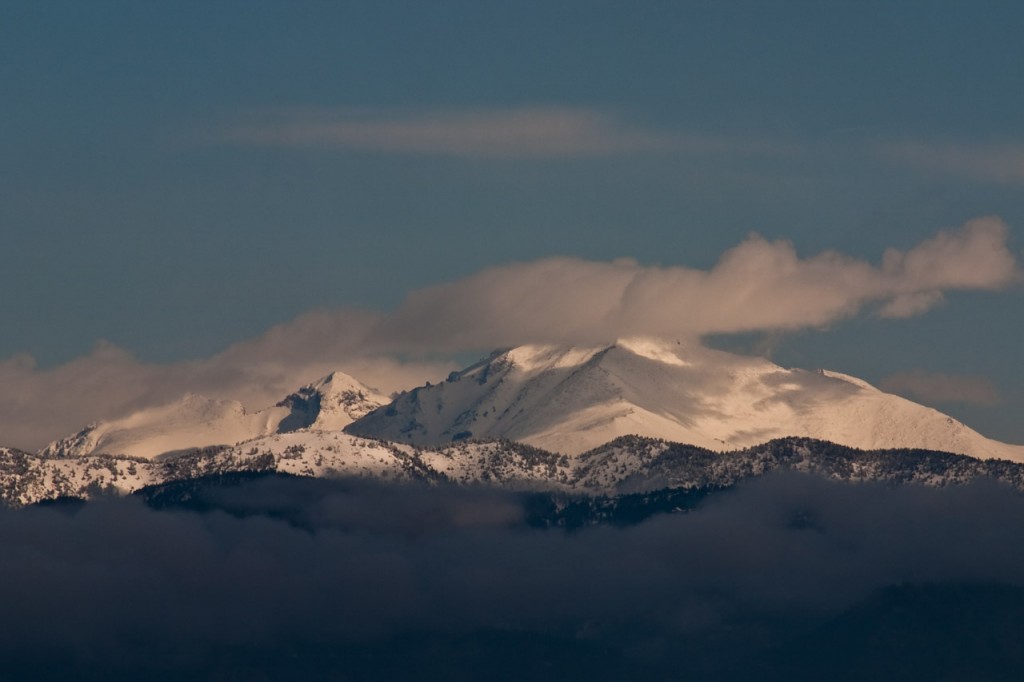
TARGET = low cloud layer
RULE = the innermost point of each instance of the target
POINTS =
(936, 387)
(118, 586)
(759, 285)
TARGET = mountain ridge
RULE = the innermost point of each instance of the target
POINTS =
(626, 466)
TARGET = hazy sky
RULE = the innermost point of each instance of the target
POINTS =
(177, 177)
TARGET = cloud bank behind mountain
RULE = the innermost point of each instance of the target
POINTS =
(759, 285)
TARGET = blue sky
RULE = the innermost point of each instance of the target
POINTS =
(179, 176)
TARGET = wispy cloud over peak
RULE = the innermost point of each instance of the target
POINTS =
(936, 387)
(513, 133)
(758, 285)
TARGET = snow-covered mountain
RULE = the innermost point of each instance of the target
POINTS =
(626, 466)
(331, 403)
(573, 399)
(628, 418)
(27, 478)
(566, 400)
(196, 421)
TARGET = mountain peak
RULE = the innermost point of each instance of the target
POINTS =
(571, 399)
(330, 403)
(533, 357)
(544, 357)
(195, 421)
(661, 350)
(848, 379)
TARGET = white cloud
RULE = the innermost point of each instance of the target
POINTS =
(756, 286)
(525, 132)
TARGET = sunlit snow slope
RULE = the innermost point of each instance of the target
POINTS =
(573, 399)
(197, 421)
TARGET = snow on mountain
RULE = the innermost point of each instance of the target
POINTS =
(192, 421)
(331, 403)
(570, 400)
(539, 418)
(626, 466)
(27, 478)
(196, 421)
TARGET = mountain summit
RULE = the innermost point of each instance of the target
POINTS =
(196, 421)
(572, 399)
